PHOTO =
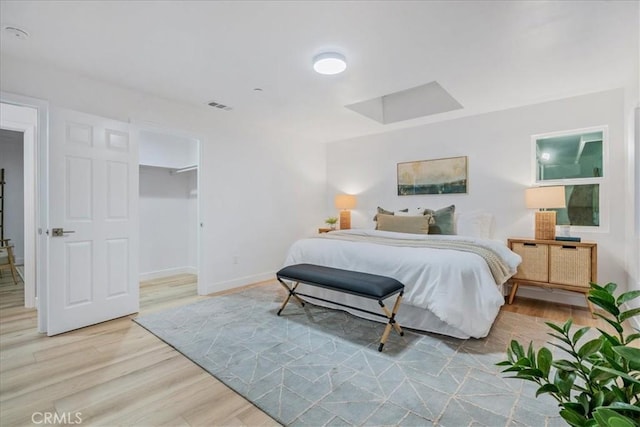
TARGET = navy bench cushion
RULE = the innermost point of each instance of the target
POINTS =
(353, 282)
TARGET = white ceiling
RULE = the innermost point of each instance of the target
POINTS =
(488, 55)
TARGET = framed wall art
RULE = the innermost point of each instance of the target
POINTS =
(437, 176)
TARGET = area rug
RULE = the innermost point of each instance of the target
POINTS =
(314, 366)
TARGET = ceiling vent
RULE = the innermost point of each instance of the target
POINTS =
(219, 106)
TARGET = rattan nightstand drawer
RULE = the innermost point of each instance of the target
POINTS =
(570, 265)
(535, 261)
(554, 264)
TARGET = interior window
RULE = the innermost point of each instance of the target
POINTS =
(576, 160)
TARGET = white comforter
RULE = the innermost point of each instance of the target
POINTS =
(456, 286)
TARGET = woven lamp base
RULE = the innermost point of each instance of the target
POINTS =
(345, 220)
(545, 225)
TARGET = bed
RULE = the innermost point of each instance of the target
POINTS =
(453, 284)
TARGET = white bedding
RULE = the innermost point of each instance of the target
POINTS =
(456, 288)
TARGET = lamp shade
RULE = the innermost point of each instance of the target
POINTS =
(545, 197)
(345, 201)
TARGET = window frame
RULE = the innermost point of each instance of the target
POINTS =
(603, 194)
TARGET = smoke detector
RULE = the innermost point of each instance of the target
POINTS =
(15, 32)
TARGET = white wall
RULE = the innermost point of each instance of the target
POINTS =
(12, 160)
(166, 150)
(167, 223)
(498, 146)
(258, 193)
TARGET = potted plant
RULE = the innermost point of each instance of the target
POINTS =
(599, 384)
(331, 221)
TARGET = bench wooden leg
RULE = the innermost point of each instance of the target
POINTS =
(291, 293)
(392, 321)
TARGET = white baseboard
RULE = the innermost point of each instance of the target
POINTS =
(168, 272)
(552, 295)
(240, 281)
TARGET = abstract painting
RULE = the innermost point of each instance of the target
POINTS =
(437, 176)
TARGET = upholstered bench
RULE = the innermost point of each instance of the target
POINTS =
(364, 285)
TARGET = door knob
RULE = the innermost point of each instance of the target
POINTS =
(59, 232)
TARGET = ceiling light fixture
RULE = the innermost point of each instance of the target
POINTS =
(329, 63)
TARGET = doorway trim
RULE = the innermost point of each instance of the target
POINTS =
(36, 290)
(141, 126)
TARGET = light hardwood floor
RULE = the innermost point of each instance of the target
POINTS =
(117, 373)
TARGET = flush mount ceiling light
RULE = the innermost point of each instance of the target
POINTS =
(329, 63)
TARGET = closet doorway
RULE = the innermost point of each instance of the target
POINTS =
(169, 209)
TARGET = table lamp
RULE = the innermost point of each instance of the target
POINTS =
(545, 198)
(344, 202)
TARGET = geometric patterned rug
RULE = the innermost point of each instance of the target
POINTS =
(315, 366)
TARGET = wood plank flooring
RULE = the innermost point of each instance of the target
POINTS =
(117, 373)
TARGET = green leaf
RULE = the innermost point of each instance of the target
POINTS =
(629, 313)
(567, 326)
(618, 373)
(573, 418)
(629, 353)
(610, 418)
(632, 337)
(590, 347)
(613, 340)
(603, 295)
(517, 349)
(595, 286)
(623, 406)
(565, 349)
(564, 381)
(531, 355)
(564, 365)
(583, 399)
(632, 355)
(545, 358)
(560, 338)
(610, 287)
(628, 296)
(607, 305)
(554, 327)
(598, 400)
(547, 388)
(535, 373)
(601, 377)
(613, 322)
(579, 334)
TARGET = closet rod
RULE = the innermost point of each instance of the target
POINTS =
(185, 169)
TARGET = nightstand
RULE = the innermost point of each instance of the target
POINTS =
(325, 230)
(554, 264)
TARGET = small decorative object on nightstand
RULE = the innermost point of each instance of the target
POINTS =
(331, 222)
(556, 265)
(325, 230)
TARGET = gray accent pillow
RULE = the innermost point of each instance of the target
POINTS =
(386, 212)
(404, 224)
(444, 220)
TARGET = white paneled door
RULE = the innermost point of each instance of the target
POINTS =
(93, 218)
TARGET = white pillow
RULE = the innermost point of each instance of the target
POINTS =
(474, 224)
